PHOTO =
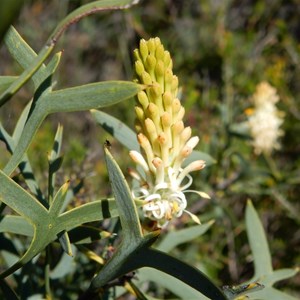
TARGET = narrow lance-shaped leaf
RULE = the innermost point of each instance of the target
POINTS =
(24, 54)
(133, 240)
(258, 243)
(130, 222)
(86, 97)
(148, 257)
(72, 18)
(6, 81)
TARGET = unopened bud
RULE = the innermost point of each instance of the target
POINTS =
(143, 99)
(143, 49)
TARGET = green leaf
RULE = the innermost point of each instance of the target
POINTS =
(258, 243)
(24, 166)
(5, 82)
(174, 285)
(129, 218)
(16, 224)
(64, 240)
(47, 225)
(191, 276)
(270, 293)
(175, 238)
(85, 97)
(75, 16)
(117, 129)
(133, 240)
(278, 275)
(24, 55)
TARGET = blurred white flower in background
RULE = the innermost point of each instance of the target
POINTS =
(264, 120)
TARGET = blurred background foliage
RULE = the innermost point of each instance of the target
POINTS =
(221, 50)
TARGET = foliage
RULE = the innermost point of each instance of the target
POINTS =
(60, 239)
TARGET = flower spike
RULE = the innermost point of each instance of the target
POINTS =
(164, 140)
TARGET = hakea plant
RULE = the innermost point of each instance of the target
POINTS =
(265, 119)
(164, 140)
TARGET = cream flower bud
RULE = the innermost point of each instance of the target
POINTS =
(143, 99)
(143, 49)
(150, 65)
(139, 67)
(164, 140)
(146, 78)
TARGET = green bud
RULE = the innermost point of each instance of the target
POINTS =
(176, 130)
(174, 85)
(160, 73)
(146, 78)
(139, 67)
(145, 144)
(167, 60)
(160, 51)
(168, 80)
(167, 102)
(150, 64)
(151, 46)
(140, 114)
(163, 141)
(143, 49)
(166, 121)
(153, 113)
(176, 105)
(185, 135)
(136, 54)
(155, 95)
(143, 99)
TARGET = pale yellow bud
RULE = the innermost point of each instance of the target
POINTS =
(174, 85)
(168, 80)
(167, 102)
(166, 122)
(143, 99)
(150, 64)
(179, 115)
(145, 144)
(146, 78)
(163, 141)
(167, 60)
(160, 73)
(140, 114)
(160, 52)
(153, 113)
(176, 106)
(151, 46)
(185, 135)
(136, 54)
(143, 49)
(139, 68)
(155, 95)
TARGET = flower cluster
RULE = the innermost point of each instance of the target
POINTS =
(265, 120)
(164, 140)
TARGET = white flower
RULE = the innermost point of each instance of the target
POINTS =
(165, 141)
(265, 121)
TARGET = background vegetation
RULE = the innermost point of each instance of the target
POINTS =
(221, 50)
